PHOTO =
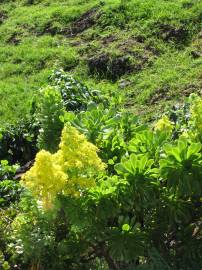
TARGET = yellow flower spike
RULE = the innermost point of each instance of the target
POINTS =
(196, 116)
(77, 152)
(46, 178)
(71, 170)
(164, 124)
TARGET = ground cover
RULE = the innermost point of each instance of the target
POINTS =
(150, 51)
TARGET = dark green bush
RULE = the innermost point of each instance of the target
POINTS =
(76, 95)
(18, 142)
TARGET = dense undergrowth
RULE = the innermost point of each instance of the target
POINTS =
(106, 191)
(150, 50)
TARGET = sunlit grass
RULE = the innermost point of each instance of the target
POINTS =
(33, 43)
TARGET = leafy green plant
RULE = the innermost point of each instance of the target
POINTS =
(3, 263)
(181, 168)
(96, 121)
(143, 212)
(7, 171)
(195, 121)
(148, 143)
(18, 142)
(49, 110)
(76, 96)
(109, 129)
(9, 192)
(140, 173)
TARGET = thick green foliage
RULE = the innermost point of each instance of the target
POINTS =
(144, 213)
(48, 113)
(182, 168)
(76, 96)
(18, 142)
(108, 127)
(65, 93)
(10, 192)
(7, 171)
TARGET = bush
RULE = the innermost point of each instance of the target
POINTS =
(18, 142)
(49, 110)
(143, 213)
(76, 95)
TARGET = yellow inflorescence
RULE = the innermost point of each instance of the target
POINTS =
(76, 152)
(196, 115)
(164, 124)
(69, 171)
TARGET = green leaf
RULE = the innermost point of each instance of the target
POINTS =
(120, 169)
(173, 151)
(125, 227)
(194, 148)
(133, 160)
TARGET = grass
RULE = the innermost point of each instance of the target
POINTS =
(161, 41)
(25, 69)
(172, 72)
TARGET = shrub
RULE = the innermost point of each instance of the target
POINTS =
(18, 142)
(7, 171)
(142, 213)
(49, 111)
(76, 96)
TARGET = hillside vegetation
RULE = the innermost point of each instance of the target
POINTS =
(100, 135)
(150, 51)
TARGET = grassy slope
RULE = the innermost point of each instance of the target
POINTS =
(150, 50)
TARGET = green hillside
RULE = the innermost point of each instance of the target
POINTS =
(148, 50)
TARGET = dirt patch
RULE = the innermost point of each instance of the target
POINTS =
(76, 43)
(196, 54)
(109, 39)
(131, 56)
(14, 39)
(171, 33)
(86, 21)
(188, 5)
(197, 47)
(124, 83)
(3, 16)
(165, 93)
(160, 94)
(192, 88)
(51, 29)
(139, 53)
(108, 67)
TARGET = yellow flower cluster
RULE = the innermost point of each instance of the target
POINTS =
(164, 124)
(196, 115)
(70, 170)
